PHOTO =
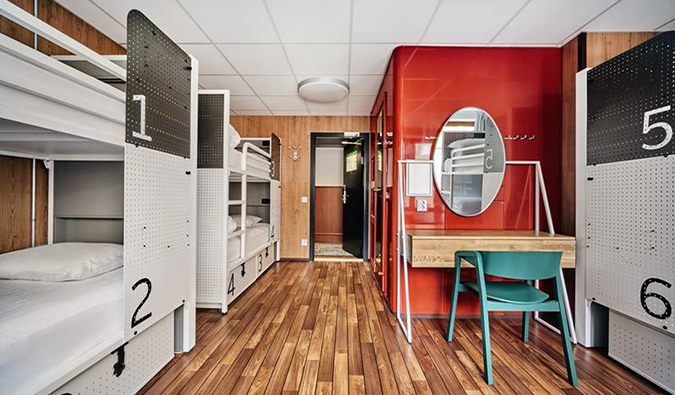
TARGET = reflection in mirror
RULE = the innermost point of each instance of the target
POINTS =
(469, 161)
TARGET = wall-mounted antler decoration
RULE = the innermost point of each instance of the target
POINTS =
(295, 152)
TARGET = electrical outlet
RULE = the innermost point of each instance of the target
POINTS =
(421, 204)
(304, 199)
(303, 242)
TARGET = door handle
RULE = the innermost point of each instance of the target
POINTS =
(344, 194)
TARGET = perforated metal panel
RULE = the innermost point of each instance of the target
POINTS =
(645, 350)
(631, 236)
(210, 235)
(144, 356)
(157, 211)
(158, 89)
(621, 91)
(159, 191)
(211, 131)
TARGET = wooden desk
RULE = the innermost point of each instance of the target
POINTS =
(435, 248)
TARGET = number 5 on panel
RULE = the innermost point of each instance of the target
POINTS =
(646, 128)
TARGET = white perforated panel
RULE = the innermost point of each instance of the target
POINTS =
(631, 238)
(210, 235)
(145, 355)
(157, 209)
(645, 350)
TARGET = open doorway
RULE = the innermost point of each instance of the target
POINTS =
(339, 196)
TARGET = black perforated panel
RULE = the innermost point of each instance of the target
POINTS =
(158, 72)
(210, 131)
(621, 91)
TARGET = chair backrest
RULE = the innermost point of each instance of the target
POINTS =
(521, 265)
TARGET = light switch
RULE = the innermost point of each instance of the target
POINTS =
(421, 204)
(304, 199)
(303, 242)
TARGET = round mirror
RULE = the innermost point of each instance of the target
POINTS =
(469, 161)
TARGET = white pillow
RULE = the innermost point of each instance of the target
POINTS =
(61, 261)
(251, 220)
(234, 137)
(231, 224)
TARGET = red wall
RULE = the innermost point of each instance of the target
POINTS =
(521, 89)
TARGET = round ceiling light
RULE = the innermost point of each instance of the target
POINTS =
(323, 89)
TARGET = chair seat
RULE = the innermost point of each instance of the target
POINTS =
(510, 292)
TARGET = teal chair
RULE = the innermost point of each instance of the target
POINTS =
(513, 296)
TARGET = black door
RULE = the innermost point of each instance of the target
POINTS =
(352, 199)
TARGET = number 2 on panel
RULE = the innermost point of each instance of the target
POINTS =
(134, 320)
(646, 128)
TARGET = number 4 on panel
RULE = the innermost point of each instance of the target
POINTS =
(646, 128)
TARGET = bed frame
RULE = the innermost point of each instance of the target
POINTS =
(220, 282)
(50, 111)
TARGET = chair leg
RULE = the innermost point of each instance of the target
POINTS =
(453, 304)
(526, 326)
(485, 325)
(565, 335)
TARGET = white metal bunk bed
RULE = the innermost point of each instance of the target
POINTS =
(63, 337)
(236, 177)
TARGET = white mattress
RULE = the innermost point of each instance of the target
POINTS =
(44, 325)
(256, 236)
(253, 161)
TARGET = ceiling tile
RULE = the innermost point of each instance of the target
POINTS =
(317, 59)
(210, 60)
(311, 21)
(549, 22)
(234, 83)
(233, 21)
(371, 58)
(455, 20)
(361, 103)
(246, 103)
(97, 18)
(387, 21)
(634, 15)
(273, 85)
(258, 59)
(337, 106)
(167, 15)
(294, 112)
(284, 103)
(254, 112)
(364, 84)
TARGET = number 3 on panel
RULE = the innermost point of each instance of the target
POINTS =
(646, 128)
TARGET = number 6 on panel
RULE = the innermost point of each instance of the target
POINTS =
(646, 128)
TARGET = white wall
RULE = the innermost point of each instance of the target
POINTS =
(329, 166)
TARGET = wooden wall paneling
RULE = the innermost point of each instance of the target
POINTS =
(601, 47)
(41, 202)
(15, 31)
(68, 23)
(15, 203)
(328, 218)
(570, 64)
(295, 175)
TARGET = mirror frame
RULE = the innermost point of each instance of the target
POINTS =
(433, 158)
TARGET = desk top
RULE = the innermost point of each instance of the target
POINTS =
(435, 248)
(484, 234)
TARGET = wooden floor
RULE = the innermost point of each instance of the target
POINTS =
(323, 328)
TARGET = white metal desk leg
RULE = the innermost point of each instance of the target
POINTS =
(401, 247)
(568, 312)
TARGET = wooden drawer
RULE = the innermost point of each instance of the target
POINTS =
(241, 277)
(144, 356)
